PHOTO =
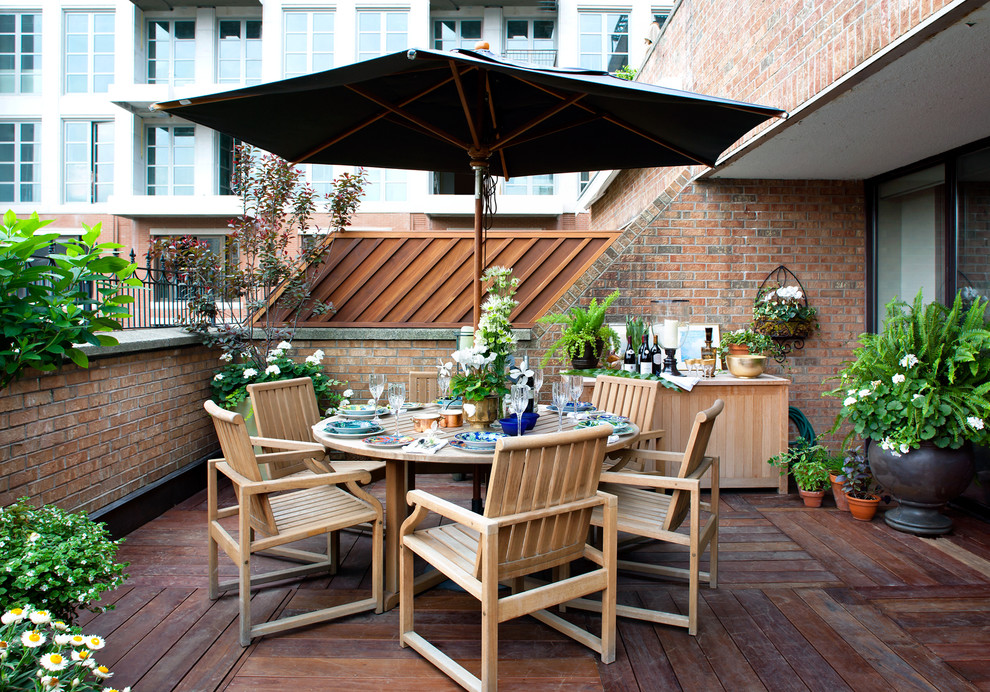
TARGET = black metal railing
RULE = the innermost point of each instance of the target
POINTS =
(543, 58)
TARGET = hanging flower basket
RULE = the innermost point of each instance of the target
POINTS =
(792, 329)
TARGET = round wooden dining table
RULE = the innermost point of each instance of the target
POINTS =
(400, 470)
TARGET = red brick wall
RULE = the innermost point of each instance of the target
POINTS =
(83, 438)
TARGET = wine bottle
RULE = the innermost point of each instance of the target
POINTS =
(708, 355)
(629, 363)
(645, 358)
(656, 356)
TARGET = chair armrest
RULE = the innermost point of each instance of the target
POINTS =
(649, 480)
(301, 482)
(277, 443)
(279, 457)
(448, 509)
(647, 435)
(656, 455)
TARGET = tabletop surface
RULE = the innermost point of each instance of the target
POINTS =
(547, 423)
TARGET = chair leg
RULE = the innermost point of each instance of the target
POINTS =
(245, 535)
(212, 568)
(489, 636)
(333, 550)
(406, 593)
(695, 565)
(378, 565)
(713, 559)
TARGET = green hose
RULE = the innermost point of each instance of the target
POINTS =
(804, 429)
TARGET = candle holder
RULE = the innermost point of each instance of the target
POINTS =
(671, 316)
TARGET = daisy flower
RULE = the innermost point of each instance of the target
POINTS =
(63, 639)
(50, 682)
(102, 672)
(12, 615)
(77, 640)
(95, 643)
(40, 617)
(32, 639)
(53, 662)
(83, 657)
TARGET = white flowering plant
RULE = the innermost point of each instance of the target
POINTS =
(923, 379)
(229, 385)
(58, 560)
(39, 652)
(477, 375)
(783, 311)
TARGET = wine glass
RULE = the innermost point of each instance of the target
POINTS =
(537, 386)
(560, 392)
(377, 386)
(443, 386)
(519, 402)
(396, 397)
(577, 389)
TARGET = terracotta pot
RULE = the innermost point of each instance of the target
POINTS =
(589, 359)
(863, 509)
(738, 349)
(812, 498)
(481, 413)
(922, 480)
(838, 493)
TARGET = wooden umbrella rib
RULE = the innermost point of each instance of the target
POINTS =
(542, 117)
(456, 76)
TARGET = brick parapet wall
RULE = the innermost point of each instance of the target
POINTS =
(84, 438)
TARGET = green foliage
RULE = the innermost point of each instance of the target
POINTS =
(924, 378)
(38, 652)
(46, 310)
(229, 385)
(635, 329)
(55, 559)
(756, 343)
(808, 463)
(582, 327)
(595, 372)
(856, 477)
(626, 72)
(783, 304)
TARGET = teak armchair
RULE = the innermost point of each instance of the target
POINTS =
(541, 495)
(637, 401)
(422, 386)
(647, 510)
(288, 410)
(271, 513)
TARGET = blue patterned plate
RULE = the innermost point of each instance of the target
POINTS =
(388, 441)
(480, 439)
(353, 433)
(351, 425)
(362, 411)
(608, 417)
(618, 428)
(582, 407)
(462, 446)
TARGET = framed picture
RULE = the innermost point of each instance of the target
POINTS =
(695, 340)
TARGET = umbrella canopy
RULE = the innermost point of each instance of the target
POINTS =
(446, 111)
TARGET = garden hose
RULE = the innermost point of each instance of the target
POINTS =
(804, 429)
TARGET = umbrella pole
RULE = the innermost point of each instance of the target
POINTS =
(479, 245)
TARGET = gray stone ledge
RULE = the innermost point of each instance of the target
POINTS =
(136, 340)
(388, 333)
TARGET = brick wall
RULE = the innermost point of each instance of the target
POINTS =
(83, 438)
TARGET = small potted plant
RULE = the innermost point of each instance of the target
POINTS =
(808, 464)
(857, 484)
(783, 311)
(585, 335)
(835, 463)
(743, 341)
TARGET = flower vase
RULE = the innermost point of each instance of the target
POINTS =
(481, 413)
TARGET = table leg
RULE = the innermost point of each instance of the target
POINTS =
(396, 510)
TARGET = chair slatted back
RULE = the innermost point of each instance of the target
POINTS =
(423, 386)
(235, 443)
(694, 453)
(287, 410)
(632, 398)
(536, 473)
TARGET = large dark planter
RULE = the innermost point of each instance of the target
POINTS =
(589, 359)
(922, 480)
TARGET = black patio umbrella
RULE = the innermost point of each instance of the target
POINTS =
(446, 111)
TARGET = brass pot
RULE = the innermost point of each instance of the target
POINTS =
(746, 366)
(481, 413)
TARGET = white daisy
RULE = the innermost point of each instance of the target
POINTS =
(83, 657)
(53, 662)
(95, 643)
(32, 639)
(102, 672)
(63, 639)
(12, 615)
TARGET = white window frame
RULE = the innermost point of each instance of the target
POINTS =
(388, 39)
(18, 165)
(172, 42)
(99, 51)
(531, 185)
(170, 187)
(245, 61)
(97, 162)
(604, 33)
(17, 75)
(312, 44)
(386, 185)
(461, 41)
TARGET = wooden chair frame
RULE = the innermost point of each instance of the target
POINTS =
(271, 513)
(645, 509)
(635, 399)
(479, 552)
(422, 386)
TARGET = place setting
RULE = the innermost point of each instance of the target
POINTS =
(477, 442)
(350, 428)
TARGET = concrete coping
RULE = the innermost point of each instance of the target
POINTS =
(136, 340)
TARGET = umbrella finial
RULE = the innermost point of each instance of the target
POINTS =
(482, 45)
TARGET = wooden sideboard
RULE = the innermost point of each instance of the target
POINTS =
(752, 428)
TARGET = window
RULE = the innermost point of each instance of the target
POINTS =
(88, 161)
(385, 185)
(380, 33)
(531, 40)
(931, 231)
(308, 42)
(171, 52)
(661, 15)
(585, 180)
(19, 162)
(225, 163)
(448, 183)
(320, 177)
(604, 42)
(456, 33)
(88, 52)
(530, 185)
(20, 53)
(239, 51)
(170, 160)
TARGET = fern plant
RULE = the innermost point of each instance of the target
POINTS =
(583, 327)
(924, 378)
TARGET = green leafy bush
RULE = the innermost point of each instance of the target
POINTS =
(808, 463)
(56, 560)
(45, 310)
(582, 327)
(753, 340)
(38, 652)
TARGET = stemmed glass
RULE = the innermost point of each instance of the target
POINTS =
(396, 397)
(537, 386)
(560, 392)
(443, 386)
(377, 386)
(519, 402)
(577, 389)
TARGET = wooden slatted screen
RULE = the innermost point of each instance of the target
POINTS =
(423, 278)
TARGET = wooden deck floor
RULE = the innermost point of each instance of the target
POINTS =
(807, 599)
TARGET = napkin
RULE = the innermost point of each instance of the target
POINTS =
(612, 439)
(685, 383)
(419, 447)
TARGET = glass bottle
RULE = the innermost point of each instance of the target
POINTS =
(629, 362)
(708, 355)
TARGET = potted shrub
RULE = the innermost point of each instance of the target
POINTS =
(743, 341)
(857, 484)
(585, 334)
(808, 464)
(918, 393)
